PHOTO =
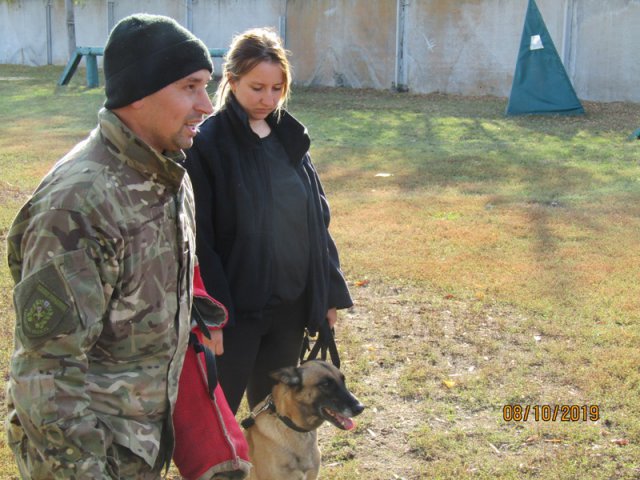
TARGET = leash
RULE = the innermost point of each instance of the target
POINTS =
(209, 358)
(250, 421)
(325, 342)
(209, 362)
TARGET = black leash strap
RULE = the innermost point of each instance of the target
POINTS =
(199, 318)
(325, 342)
(209, 363)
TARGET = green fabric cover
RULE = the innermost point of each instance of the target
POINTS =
(540, 83)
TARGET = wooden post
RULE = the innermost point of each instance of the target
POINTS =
(91, 62)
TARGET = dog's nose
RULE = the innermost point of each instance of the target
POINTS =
(357, 409)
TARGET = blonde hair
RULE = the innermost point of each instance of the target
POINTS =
(247, 50)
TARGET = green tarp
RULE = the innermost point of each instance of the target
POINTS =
(540, 84)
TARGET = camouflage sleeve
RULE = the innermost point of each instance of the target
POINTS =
(59, 301)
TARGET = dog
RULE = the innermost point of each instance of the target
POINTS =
(281, 430)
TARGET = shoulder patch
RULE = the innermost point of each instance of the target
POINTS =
(42, 312)
(42, 306)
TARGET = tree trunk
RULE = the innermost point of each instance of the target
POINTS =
(71, 27)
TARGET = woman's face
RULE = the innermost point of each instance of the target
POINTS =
(259, 91)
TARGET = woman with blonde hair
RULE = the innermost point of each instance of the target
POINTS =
(262, 219)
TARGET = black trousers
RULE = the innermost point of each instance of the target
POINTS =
(254, 347)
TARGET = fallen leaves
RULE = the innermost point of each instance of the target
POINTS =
(449, 383)
(537, 438)
(620, 441)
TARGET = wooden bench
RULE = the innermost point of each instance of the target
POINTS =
(91, 59)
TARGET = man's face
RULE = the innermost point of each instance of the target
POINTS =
(171, 116)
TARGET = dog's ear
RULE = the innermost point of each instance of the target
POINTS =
(290, 376)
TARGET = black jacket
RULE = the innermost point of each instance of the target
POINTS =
(233, 216)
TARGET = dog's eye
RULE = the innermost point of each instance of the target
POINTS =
(326, 383)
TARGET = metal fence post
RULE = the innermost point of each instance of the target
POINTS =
(400, 83)
(49, 34)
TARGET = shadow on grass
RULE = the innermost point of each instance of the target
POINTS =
(560, 173)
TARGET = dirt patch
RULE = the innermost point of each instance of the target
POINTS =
(396, 331)
(429, 365)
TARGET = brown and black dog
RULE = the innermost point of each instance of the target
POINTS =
(281, 431)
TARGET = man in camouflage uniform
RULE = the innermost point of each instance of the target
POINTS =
(103, 260)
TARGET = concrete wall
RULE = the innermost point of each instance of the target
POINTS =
(604, 62)
(453, 46)
(330, 47)
(461, 47)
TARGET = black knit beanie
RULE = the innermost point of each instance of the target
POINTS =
(145, 53)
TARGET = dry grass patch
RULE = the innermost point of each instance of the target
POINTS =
(437, 373)
(547, 257)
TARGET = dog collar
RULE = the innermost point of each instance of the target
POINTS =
(286, 420)
(269, 405)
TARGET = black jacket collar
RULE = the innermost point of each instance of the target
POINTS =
(292, 134)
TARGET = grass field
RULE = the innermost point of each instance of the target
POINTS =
(494, 261)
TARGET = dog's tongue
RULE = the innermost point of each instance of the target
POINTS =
(346, 422)
(349, 424)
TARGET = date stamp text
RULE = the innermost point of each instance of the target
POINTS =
(550, 413)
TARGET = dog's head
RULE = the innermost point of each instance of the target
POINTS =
(314, 392)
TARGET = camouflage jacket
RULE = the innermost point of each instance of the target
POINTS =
(103, 259)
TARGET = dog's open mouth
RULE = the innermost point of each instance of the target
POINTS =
(340, 421)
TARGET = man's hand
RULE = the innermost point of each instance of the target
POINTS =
(215, 344)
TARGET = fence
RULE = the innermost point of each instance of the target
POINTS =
(465, 47)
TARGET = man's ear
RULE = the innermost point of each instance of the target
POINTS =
(138, 104)
(127, 110)
(290, 376)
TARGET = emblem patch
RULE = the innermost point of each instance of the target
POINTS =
(43, 313)
(38, 316)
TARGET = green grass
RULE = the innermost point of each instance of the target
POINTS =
(509, 245)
